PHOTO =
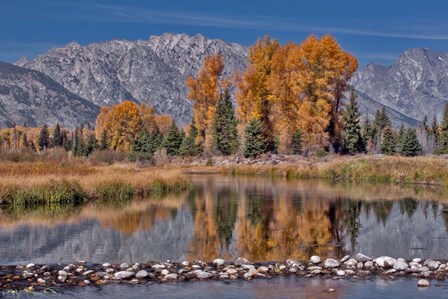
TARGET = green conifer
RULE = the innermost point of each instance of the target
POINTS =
(254, 144)
(173, 140)
(44, 138)
(224, 127)
(352, 141)
(296, 143)
(388, 146)
(189, 147)
(57, 136)
(411, 146)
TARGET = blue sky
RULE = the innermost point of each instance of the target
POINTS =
(375, 31)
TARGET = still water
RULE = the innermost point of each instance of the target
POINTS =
(261, 219)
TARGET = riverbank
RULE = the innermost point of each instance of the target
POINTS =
(379, 169)
(37, 278)
(34, 183)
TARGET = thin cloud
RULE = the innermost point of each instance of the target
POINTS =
(132, 14)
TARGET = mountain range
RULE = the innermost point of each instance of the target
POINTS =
(68, 84)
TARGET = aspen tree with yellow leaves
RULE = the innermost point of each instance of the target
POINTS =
(205, 94)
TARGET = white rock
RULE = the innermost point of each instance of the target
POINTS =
(423, 283)
(202, 274)
(219, 262)
(124, 266)
(368, 264)
(351, 263)
(124, 274)
(362, 258)
(88, 272)
(385, 261)
(345, 258)
(262, 269)
(241, 261)
(62, 273)
(185, 264)
(360, 265)
(40, 281)
(340, 273)
(401, 266)
(331, 263)
(231, 271)
(106, 265)
(141, 274)
(158, 267)
(172, 276)
(433, 265)
(31, 265)
(417, 260)
(315, 259)
(62, 278)
(165, 272)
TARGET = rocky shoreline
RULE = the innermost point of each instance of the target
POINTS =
(35, 278)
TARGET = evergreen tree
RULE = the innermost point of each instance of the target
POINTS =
(296, 143)
(352, 141)
(92, 144)
(443, 133)
(66, 142)
(189, 147)
(410, 146)
(173, 140)
(425, 125)
(75, 138)
(400, 137)
(388, 146)
(435, 128)
(254, 144)
(103, 141)
(57, 136)
(380, 123)
(147, 143)
(44, 138)
(224, 127)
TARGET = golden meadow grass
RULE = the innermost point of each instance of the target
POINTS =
(380, 169)
(49, 182)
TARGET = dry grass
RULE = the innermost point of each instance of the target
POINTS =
(418, 170)
(37, 183)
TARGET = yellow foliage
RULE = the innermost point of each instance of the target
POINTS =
(204, 92)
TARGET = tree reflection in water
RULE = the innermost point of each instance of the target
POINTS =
(258, 218)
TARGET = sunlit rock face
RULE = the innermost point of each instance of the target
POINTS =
(415, 85)
(152, 71)
(31, 98)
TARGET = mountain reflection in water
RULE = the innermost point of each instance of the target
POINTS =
(258, 218)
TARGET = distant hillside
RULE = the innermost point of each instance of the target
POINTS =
(28, 97)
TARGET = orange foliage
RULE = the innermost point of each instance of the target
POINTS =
(204, 92)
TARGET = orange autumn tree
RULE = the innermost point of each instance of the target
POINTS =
(323, 77)
(306, 87)
(253, 90)
(121, 124)
(205, 93)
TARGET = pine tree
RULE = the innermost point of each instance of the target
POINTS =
(103, 141)
(92, 144)
(57, 136)
(146, 144)
(443, 133)
(388, 146)
(352, 141)
(254, 144)
(410, 147)
(189, 147)
(296, 143)
(224, 128)
(173, 140)
(44, 138)
(400, 137)
(380, 122)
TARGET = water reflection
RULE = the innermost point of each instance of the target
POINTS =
(258, 218)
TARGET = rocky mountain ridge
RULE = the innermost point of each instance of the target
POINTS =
(154, 71)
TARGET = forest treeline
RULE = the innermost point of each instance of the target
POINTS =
(291, 99)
